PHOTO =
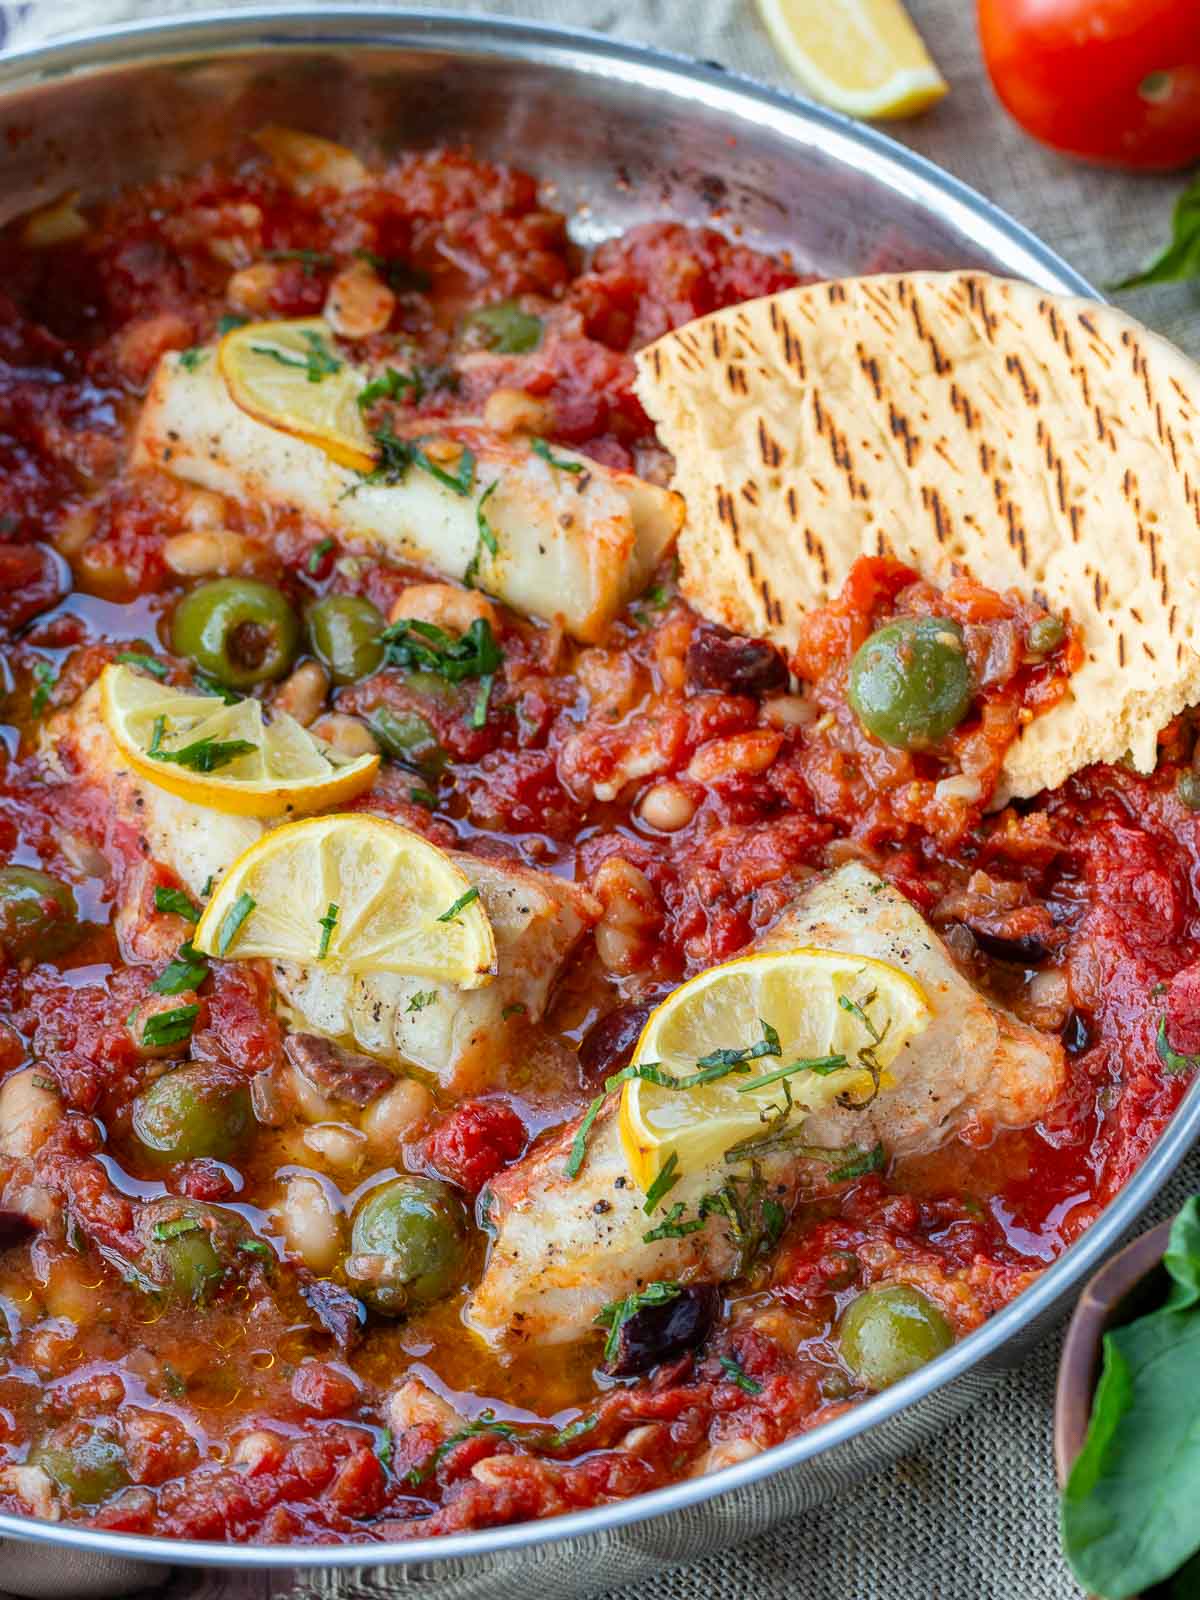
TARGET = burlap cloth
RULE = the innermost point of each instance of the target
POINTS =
(971, 1516)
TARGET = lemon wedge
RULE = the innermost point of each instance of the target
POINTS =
(863, 57)
(848, 1015)
(228, 757)
(351, 893)
(290, 376)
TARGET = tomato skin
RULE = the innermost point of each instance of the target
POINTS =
(1083, 76)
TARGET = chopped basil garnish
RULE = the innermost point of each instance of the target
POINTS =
(579, 1143)
(45, 677)
(175, 902)
(668, 1177)
(189, 360)
(391, 385)
(319, 363)
(617, 1313)
(422, 998)
(1172, 1060)
(479, 711)
(423, 797)
(487, 536)
(541, 448)
(672, 1226)
(174, 1226)
(188, 970)
(396, 456)
(232, 921)
(740, 1376)
(229, 322)
(424, 647)
(170, 1027)
(202, 755)
(328, 923)
(316, 556)
(465, 899)
(134, 658)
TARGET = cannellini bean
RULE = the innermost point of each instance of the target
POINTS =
(29, 1109)
(667, 807)
(788, 711)
(306, 162)
(258, 1448)
(637, 1439)
(74, 531)
(614, 681)
(249, 290)
(630, 916)
(347, 735)
(314, 1231)
(201, 508)
(209, 552)
(726, 1454)
(359, 303)
(740, 753)
(444, 606)
(337, 1145)
(35, 1488)
(70, 1292)
(302, 695)
(83, 855)
(393, 1118)
(517, 411)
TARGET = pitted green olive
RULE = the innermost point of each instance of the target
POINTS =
(911, 683)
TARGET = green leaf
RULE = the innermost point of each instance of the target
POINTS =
(189, 360)
(578, 1151)
(541, 448)
(668, 1176)
(175, 902)
(422, 998)
(396, 456)
(487, 536)
(424, 647)
(617, 1313)
(187, 971)
(1180, 257)
(319, 363)
(204, 755)
(1172, 1060)
(170, 1027)
(391, 384)
(465, 899)
(734, 1369)
(45, 677)
(328, 924)
(134, 658)
(1128, 1510)
(316, 556)
(232, 921)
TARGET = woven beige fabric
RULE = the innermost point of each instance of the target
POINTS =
(972, 1516)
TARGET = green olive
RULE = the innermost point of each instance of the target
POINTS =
(886, 1333)
(187, 1246)
(1187, 787)
(502, 327)
(38, 914)
(408, 738)
(237, 630)
(85, 1459)
(408, 1244)
(911, 682)
(344, 631)
(193, 1111)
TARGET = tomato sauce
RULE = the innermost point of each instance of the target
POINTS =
(262, 1410)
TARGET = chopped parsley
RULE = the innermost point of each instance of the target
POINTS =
(383, 1448)
(485, 1422)
(320, 361)
(561, 1437)
(202, 755)
(328, 923)
(396, 456)
(673, 1226)
(209, 685)
(756, 1220)
(176, 903)
(821, 1065)
(170, 1027)
(541, 448)
(487, 536)
(860, 1162)
(391, 384)
(232, 921)
(189, 360)
(316, 556)
(734, 1369)
(134, 658)
(187, 970)
(422, 998)
(45, 677)
(424, 647)
(617, 1313)
(468, 897)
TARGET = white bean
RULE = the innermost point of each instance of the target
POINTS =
(209, 552)
(337, 1145)
(391, 1119)
(445, 607)
(667, 807)
(516, 411)
(312, 1228)
(29, 1111)
(303, 694)
(359, 303)
(347, 735)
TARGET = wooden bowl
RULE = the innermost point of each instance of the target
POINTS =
(1133, 1282)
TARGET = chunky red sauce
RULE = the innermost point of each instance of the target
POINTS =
(261, 1412)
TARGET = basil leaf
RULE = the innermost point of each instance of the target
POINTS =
(1180, 257)
(170, 1027)
(176, 902)
(204, 755)
(187, 971)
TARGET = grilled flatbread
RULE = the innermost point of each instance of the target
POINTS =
(1045, 444)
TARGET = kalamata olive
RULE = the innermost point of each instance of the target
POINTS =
(337, 1310)
(654, 1333)
(85, 1459)
(886, 1333)
(336, 1073)
(608, 1044)
(719, 659)
(1025, 949)
(16, 1227)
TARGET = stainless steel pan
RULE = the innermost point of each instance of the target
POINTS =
(620, 135)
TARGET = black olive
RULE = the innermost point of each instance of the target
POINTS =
(337, 1310)
(718, 659)
(608, 1044)
(1026, 949)
(657, 1332)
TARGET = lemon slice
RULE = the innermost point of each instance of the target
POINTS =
(290, 376)
(822, 1004)
(357, 894)
(863, 57)
(256, 768)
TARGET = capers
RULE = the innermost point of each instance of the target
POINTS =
(237, 630)
(1045, 635)
(911, 682)
(886, 1333)
(408, 1245)
(85, 1459)
(193, 1111)
(345, 632)
(38, 915)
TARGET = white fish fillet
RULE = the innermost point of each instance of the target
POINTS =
(537, 919)
(576, 544)
(565, 1248)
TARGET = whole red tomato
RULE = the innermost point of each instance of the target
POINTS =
(1114, 81)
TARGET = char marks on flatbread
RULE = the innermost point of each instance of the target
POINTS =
(1045, 444)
